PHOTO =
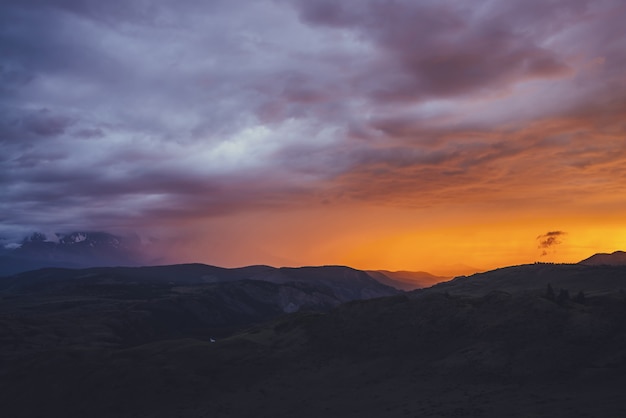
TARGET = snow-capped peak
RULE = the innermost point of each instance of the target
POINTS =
(78, 237)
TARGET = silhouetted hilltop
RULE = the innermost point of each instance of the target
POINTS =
(534, 278)
(344, 282)
(617, 258)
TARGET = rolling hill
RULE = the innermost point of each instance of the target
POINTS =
(534, 278)
(488, 345)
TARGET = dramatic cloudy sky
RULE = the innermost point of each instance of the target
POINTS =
(399, 134)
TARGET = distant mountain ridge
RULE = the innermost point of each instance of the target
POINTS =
(406, 280)
(341, 284)
(617, 258)
(92, 249)
(89, 249)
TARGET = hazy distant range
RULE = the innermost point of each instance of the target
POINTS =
(100, 249)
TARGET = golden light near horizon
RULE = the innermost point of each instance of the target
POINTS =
(399, 239)
(471, 249)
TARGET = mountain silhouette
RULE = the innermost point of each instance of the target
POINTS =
(617, 258)
(406, 280)
(344, 283)
(534, 278)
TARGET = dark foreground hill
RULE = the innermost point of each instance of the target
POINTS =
(125, 305)
(441, 352)
(592, 280)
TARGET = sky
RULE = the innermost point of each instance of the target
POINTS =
(444, 136)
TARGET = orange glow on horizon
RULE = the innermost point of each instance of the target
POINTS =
(397, 239)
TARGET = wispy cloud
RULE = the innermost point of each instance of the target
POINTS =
(549, 241)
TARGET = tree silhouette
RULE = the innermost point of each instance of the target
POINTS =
(563, 296)
(580, 298)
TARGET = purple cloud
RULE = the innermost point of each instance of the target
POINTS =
(440, 48)
(133, 115)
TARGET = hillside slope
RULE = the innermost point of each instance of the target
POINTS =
(534, 278)
(485, 346)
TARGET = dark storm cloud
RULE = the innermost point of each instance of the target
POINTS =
(24, 127)
(441, 48)
(43, 123)
(126, 114)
